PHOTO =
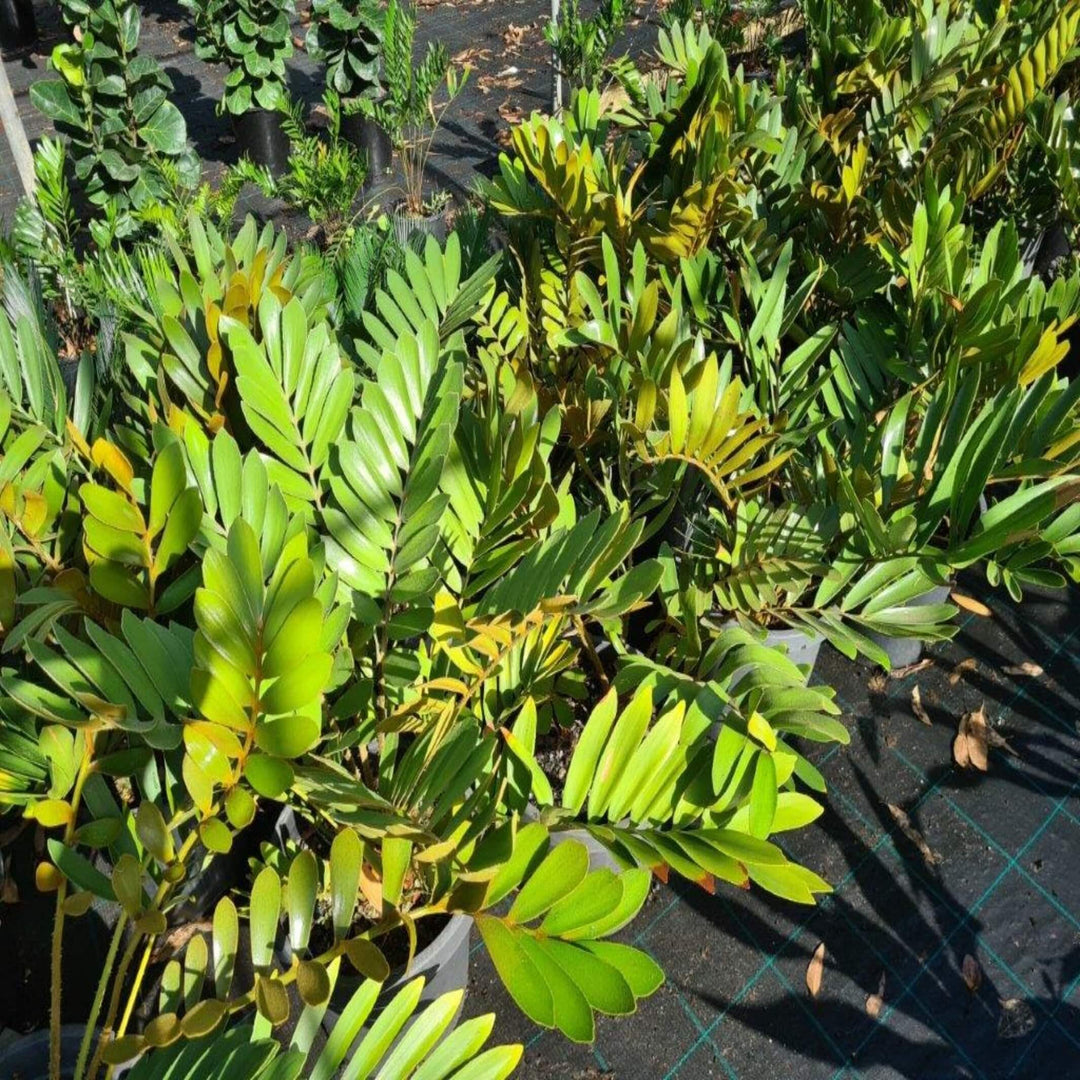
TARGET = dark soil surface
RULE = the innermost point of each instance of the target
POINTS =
(26, 923)
(554, 749)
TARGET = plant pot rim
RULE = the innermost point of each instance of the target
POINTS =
(458, 926)
(400, 210)
(728, 621)
(599, 855)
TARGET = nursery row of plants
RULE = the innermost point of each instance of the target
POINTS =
(356, 592)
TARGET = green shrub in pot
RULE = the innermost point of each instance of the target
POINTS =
(581, 45)
(254, 38)
(127, 141)
(409, 111)
(323, 177)
(348, 39)
(213, 710)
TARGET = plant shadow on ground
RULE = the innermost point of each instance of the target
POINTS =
(896, 928)
(205, 127)
(958, 878)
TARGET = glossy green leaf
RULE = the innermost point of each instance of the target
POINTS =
(265, 908)
(563, 869)
(346, 856)
(303, 884)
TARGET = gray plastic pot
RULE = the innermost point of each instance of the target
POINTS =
(444, 965)
(902, 651)
(802, 649)
(28, 1058)
(405, 224)
(599, 856)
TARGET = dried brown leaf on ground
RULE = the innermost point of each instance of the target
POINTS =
(911, 669)
(972, 973)
(930, 857)
(874, 1002)
(917, 707)
(512, 114)
(968, 603)
(971, 745)
(1016, 1020)
(815, 969)
(957, 673)
(514, 35)
(487, 83)
(1033, 671)
(878, 681)
(472, 55)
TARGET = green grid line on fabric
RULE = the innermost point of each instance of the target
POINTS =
(696, 1021)
(894, 972)
(1037, 885)
(892, 1006)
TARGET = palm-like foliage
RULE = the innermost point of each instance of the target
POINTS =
(361, 538)
(424, 1049)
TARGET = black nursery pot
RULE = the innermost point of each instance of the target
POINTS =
(28, 1058)
(17, 24)
(259, 134)
(372, 142)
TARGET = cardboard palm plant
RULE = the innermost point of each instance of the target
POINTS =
(345, 576)
(830, 413)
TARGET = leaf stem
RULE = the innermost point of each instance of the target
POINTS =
(99, 996)
(56, 959)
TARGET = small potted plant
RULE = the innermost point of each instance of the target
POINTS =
(411, 115)
(348, 37)
(127, 142)
(254, 37)
(322, 179)
(580, 47)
